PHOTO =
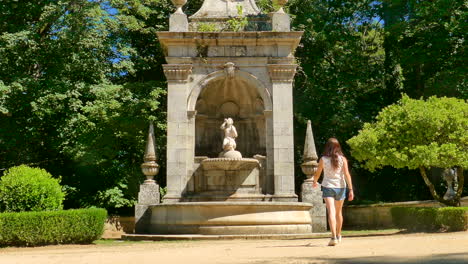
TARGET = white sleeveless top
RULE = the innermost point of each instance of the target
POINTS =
(333, 178)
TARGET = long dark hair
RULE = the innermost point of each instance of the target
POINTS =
(333, 151)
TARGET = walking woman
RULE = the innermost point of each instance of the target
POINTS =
(336, 185)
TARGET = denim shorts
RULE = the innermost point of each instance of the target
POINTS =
(337, 193)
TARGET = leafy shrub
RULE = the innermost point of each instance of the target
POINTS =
(77, 226)
(430, 219)
(23, 188)
(207, 27)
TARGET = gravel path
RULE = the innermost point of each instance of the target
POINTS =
(446, 248)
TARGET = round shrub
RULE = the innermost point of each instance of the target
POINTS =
(23, 188)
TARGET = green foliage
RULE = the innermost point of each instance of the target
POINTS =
(239, 22)
(415, 133)
(114, 198)
(79, 81)
(207, 27)
(29, 189)
(430, 219)
(79, 226)
(427, 39)
(339, 85)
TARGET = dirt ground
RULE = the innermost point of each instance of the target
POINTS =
(446, 248)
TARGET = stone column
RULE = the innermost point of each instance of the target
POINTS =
(309, 194)
(178, 131)
(283, 136)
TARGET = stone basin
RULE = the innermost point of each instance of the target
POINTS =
(229, 164)
(228, 218)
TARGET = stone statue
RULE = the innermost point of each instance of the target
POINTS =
(450, 176)
(229, 141)
(230, 134)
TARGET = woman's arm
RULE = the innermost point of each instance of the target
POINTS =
(318, 173)
(348, 179)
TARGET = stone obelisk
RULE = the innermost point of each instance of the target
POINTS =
(309, 194)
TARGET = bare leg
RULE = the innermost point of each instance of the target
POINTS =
(339, 216)
(330, 203)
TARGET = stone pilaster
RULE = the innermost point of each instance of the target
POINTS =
(178, 132)
(283, 137)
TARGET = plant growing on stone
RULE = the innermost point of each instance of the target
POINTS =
(207, 27)
(239, 22)
(417, 134)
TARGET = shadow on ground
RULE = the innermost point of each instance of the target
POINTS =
(458, 258)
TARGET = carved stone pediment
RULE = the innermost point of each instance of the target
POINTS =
(177, 72)
(282, 72)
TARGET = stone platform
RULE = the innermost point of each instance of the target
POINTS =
(230, 218)
(138, 237)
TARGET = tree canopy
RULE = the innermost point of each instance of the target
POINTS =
(80, 80)
(417, 134)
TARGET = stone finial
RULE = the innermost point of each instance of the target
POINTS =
(179, 4)
(281, 4)
(280, 21)
(178, 21)
(150, 168)
(309, 145)
(309, 165)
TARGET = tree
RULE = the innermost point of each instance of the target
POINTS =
(425, 42)
(417, 134)
(71, 96)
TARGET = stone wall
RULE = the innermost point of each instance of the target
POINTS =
(116, 226)
(378, 215)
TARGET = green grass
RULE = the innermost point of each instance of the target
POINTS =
(116, 242)
(370, 232)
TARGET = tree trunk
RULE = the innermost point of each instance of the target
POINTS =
(453, 202)
(461, 182)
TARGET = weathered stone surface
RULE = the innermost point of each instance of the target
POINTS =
(318, 211)
(280, 21)
(178, 23)
(142, 219)
(231, 218)
(247, 77)
(149, 194)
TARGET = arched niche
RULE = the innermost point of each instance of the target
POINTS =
(237, 97)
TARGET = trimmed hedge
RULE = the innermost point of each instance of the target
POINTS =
(79, 226)
(430, 219)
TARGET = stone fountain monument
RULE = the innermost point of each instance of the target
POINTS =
(238, 179)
